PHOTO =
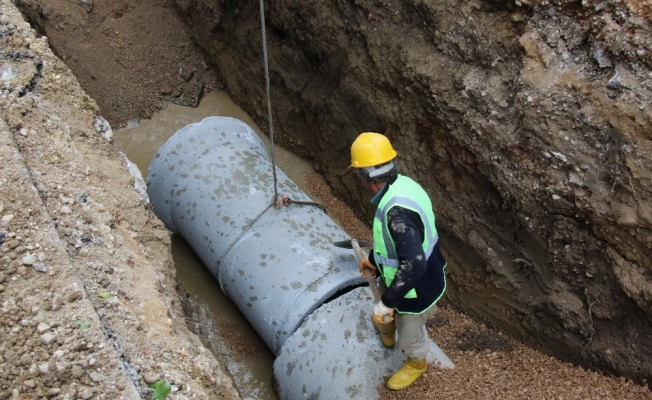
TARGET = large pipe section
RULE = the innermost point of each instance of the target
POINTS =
(212, 183)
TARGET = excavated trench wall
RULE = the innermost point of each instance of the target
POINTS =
(528, 124)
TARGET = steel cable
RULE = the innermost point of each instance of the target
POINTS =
(276, 201)
(269, 97)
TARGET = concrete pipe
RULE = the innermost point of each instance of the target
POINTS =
(212, 183)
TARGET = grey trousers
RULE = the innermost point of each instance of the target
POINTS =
(411, 329)
(412, 334)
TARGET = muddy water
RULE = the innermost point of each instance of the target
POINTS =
(214, 316)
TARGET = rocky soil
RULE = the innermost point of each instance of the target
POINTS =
(88, 307)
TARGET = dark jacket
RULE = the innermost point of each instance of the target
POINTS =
(425, 276)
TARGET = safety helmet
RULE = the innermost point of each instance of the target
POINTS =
(371, 149)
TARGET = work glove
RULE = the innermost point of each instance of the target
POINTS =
(383, 314)
(365, 263)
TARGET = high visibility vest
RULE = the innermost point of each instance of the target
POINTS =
(384, 247)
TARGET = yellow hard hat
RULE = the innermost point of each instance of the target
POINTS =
(371, 149)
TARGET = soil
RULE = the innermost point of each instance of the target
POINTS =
(128, 65)
(88, 306)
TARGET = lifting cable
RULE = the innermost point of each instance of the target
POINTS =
(269, 97)
(277, 202)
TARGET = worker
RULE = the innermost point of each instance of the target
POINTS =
(405, 254)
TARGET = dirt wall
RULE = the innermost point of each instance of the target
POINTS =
(527, 123)
(88, 306)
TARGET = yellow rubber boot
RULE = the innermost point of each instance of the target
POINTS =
(408, 374)
(387, 331)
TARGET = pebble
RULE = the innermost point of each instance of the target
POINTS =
(48, 338)
(96, 377)
(44, 368)
(57, 302)
(29, 259)
(62, 366)
(42, 327)
(73, 296)
(7, 219)
(150, 377)
(86, 393)
(39, 267)
(77, 371)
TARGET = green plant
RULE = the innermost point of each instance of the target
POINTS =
(83, 324)
(161, 389)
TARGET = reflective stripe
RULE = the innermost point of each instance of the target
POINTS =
(387, 238)
(392, 258)
(389, 262)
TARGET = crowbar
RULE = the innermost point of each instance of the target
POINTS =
(368, 275)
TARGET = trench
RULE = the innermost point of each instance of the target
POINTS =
(209, 313)
(223, 328)
(210, 182)
(197, 285)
